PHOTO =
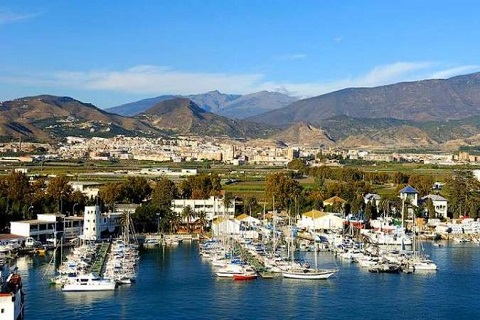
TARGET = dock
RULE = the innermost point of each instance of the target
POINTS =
(98, 267)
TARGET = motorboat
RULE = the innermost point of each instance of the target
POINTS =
(89, 282)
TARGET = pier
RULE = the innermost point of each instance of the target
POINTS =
(98, 266)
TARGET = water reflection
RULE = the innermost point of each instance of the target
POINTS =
(86, 298)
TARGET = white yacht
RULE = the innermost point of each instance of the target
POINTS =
(89, 282)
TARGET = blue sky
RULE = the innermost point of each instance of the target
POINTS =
(113, 52)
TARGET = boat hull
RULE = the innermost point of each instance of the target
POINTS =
(309, 274)
(79, 288)
(243, 277)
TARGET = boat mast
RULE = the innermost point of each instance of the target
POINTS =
(274, 230)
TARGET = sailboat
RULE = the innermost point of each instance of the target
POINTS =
(308, 273)
(420, 262)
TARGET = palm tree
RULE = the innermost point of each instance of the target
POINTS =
(251, 202)
(202, 219)
(186, 214)
(174, 221)
(228, 197)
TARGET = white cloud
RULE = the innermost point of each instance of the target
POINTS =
(157, 80)
(146, 79)
(451, 72)
(10, 17)
(380, 75)
(290, 57)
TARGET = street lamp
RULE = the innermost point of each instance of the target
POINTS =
(28, 210)
(158, 222)
(73, 209)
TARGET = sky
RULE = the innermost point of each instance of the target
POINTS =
(114, 52)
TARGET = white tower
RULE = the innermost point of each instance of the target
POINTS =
(91, 223)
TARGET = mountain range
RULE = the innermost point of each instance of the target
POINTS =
(436, 114)
(425, 100)
(227, 105)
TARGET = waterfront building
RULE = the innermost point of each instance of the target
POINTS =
(212, 206)
(97, 225)
(335, 201)
(248, 226)
(224, 226)
(46, 226)
(373, 198)
(320, 220)
(440, 204)
(409, 195)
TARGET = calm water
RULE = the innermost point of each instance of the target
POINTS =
(174, 283)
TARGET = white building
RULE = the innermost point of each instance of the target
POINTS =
(89, 189)
(223, 226)
(373, 198)
(409, 195)
(248, 225)
(212, 206)
(319, 220)
(91, 223)
(46, 226)
(440, 204)
(95, 223)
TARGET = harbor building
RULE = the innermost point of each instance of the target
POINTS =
(98, 225)
(212, 206)
(47, 226)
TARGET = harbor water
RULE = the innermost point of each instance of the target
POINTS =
(175, 283)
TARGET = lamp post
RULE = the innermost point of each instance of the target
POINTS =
(158, 222)
(73, 209)
(61, 201)
(28, 211)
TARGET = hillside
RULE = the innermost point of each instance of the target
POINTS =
(183, 116)
(46, 118)
(302, 134)
(426, 100)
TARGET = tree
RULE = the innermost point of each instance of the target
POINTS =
(368, 211)
(422, 183)
(228, 198)
(59, 190)
(251, 203)
(202, 220)
(431, 208)
(164, 192)
(187, 214)
(145, 218)
(18, 187)
(111, 193)
(200, 186)
(400, 178)
(283, 188)
(462, 189)
(137, 189)
(298, 165)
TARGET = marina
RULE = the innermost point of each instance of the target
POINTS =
(175, 282)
